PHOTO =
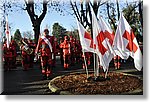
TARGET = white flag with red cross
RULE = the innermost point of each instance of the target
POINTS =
(85, 39)
(125, 43)
(103, 47)
(7, 33)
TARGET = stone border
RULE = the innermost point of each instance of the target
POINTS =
(55, 89)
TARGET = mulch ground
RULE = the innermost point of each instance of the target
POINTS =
(116, 83)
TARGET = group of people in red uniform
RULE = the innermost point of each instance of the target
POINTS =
(70, 51)
(48, 47)
(10, 54)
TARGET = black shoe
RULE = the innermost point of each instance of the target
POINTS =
(44, 77)
(47, 78)
(24, 69)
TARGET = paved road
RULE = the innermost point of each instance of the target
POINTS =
(19, 82)
(28, 82)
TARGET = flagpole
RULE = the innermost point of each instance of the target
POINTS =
(106, 73)
(93, 40)
(85, 64)
(94, 66)
(80, 34)
(97, 66)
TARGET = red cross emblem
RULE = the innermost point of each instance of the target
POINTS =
(109, 36)
(100, 39)
(88, 36)
(7, 32)
(131, 46)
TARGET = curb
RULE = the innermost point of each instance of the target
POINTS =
(55, 89)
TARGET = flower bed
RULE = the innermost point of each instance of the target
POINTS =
(116, 83)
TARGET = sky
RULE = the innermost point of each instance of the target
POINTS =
(21, 21)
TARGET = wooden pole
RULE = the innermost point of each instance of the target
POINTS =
(85, 65)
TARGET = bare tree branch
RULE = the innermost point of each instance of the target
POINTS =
(77, 16)
(112, 21)
(41, 17)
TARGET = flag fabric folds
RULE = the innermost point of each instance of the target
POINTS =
(86, 42)
(108, 32)
(100, 38)
(125, 43)
(107, 45)
(85, 39)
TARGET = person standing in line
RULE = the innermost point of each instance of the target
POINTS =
(66, 52)
(117, 62)
(61, 53)
(32, 45)
(25, 55)
(45, 48)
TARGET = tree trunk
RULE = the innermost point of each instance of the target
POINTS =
(141, 12)
(118, 11)
(36, 30)
(35, 19)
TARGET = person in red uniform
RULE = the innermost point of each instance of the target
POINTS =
(6, 54)
(9, 55)
(66, 52)
(61, 53)
(78, 51)
(32, 45)
(117, 62)
(86, 56)
(55, 44)
(13, 44)
(25, 55)
(45, 48)
(72, 50)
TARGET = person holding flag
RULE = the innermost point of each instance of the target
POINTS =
(8, 50)
(125, 43)
(7, 56)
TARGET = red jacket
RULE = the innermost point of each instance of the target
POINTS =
(43, 47)
(66, 48)
(9, 52)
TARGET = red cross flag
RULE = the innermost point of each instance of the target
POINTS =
(7, 33)
(125, 43)
(108, 32)
(103, 47)
(85, 39)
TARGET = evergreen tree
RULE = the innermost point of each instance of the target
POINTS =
(17, 38)
(58, 31)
